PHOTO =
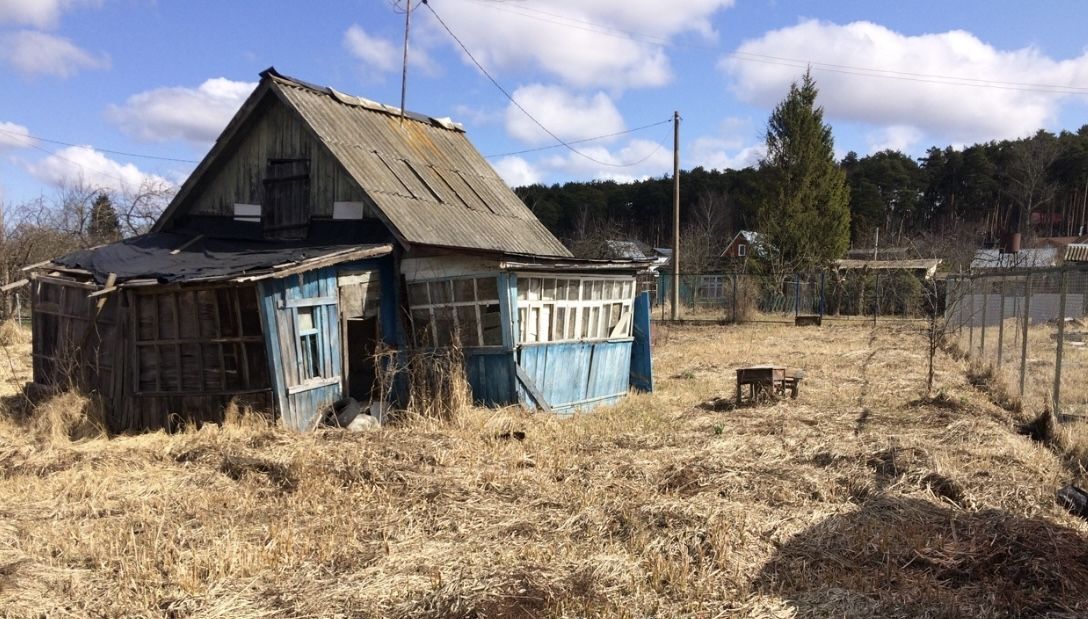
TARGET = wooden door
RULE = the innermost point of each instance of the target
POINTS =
(301, 315)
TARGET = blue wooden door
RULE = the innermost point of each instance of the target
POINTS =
(642, 372)
(301, 317)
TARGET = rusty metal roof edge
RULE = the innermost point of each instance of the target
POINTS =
(356, 101)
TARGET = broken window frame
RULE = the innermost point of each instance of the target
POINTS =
(594, 308)
(429, 319)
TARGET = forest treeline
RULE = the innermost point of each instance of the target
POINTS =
(974, 195)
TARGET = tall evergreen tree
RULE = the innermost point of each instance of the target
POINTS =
(104, 224)
(806, 214)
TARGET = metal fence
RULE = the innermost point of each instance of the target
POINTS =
(1027, 328)
(752, 297)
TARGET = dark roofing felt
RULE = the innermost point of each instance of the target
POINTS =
(151, 256)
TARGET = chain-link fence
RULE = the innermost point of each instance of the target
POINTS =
(752, 297)
(1026, 329)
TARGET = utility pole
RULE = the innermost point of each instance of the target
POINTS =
(404, 64)
(675, 214)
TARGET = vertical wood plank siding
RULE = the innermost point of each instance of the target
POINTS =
(276, 134)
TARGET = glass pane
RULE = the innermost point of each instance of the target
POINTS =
(614, 317)
(549, 290)
(586, 289)
(443, 325)
(598, 289)
(545, 329)
(532, 324)
(585, 323)
(463, 291)
(491, 321)
(417, 294)
(305, 319)
(440, 292)
(487, 289)
(534, 289)
(522, 328)
(560, 323)
(467, 325)
(421, 327)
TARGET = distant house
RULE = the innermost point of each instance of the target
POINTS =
(319, 233)
(1038, 257)
(744, 244)
(1076, 253)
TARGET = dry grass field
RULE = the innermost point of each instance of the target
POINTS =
(857, 499)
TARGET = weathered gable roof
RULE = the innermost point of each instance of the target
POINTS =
(429, 184)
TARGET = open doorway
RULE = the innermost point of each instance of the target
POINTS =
(361, 329)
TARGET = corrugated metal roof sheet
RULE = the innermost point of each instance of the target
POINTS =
(423, 174)
(1076, 252)
(1025, 258)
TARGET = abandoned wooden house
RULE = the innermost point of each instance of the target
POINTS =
(319, 229)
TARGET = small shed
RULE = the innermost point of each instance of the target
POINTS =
(320, 232)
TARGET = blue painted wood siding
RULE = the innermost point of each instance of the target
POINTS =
(300, 399)
(574, 375)
(642, 369)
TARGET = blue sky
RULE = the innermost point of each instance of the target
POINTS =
(161, 78)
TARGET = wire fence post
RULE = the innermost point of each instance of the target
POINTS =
(823, 288)
(1001, 324)
(985, 304)
(876, 299)
(1024, 334)
(971, 319)
(734, 298)
(796, 294)
(1058, 349)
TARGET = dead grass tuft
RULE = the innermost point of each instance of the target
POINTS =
(856, 499)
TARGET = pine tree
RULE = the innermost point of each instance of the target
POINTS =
(806, 214)
(104, 224)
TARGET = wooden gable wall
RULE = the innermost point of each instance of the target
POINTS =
(275, 133)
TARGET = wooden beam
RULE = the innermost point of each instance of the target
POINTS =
(177, 250)
(14, 285)
(530, 386)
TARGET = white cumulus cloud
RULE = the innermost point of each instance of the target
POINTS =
(612, 44)
(84, 164)
(735, 145)
(565, 114)
(379, 55)
(197, 115)
(516, 171)
(39, 13)
(896, 137)
(897, 86)
(38, 53)
(635, 159)
(15, 136)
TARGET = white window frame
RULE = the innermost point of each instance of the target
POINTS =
(452, 306)
(546, 320)
(742, 250)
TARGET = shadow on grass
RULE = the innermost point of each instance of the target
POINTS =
(898, 556)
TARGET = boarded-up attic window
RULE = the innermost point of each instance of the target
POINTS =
(286, 207)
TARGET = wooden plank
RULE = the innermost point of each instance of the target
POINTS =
(310, 302)
(14, 285)
(313, 384)
(245, 354)
(180, 248)
(530, 386)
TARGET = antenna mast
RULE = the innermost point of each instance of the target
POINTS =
(404, 64)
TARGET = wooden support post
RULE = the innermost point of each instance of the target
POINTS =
(1024, 334)
(971, 321)
(1001, 324)
(985, 305)
(1058, 350)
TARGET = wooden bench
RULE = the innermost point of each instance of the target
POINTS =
(767, 381)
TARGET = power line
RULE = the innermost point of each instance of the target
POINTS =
(523, 110)
(591, 139)
(27, 136)
(861, 71)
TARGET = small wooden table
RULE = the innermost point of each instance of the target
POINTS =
(767, 381)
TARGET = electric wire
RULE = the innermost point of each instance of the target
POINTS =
(507, 94)
(27, 136)
(583, 140)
